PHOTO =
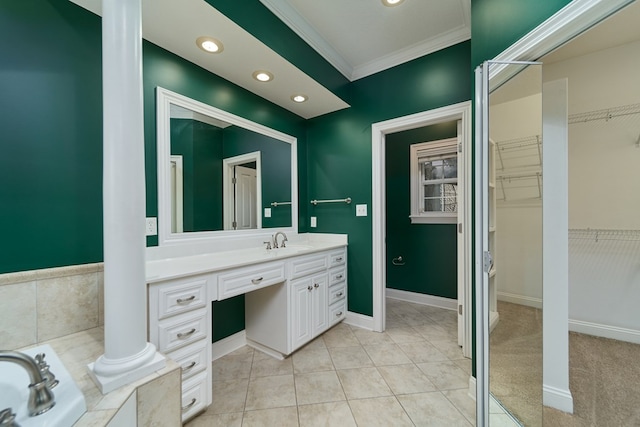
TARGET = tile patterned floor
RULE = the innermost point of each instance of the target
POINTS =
(413, 374)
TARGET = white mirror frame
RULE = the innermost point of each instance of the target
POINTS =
(164, 99)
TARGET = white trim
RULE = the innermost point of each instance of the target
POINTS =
(228, 345)
(471, 392)
(228, 186)
(266, 350)
(520, 299)
(424, 299)
(409, 53)
(605, 331)
(573, 19)
(164, 99)
(179, 195)
(359, 320)
(557, 398)
(460, 111)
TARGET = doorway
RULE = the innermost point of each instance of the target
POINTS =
(242, 192)
(458, 112)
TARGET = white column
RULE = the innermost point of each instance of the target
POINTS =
(128, 356)
(555, 247)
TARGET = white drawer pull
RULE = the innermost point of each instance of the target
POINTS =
(339, 294)
(339, 276)
(193, 402)
(186, 334)
(189, 366)
(338, 314)
(256, 281)
(183, 300)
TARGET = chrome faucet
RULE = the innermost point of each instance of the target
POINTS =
(275, 240)
(41, 398)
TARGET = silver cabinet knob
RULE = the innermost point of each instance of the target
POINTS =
(310, 288)
(315, 285)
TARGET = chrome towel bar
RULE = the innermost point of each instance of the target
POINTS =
(347, 201)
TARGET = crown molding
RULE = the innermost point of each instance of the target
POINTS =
(414, 51)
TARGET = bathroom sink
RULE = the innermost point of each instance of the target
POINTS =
(14, 393)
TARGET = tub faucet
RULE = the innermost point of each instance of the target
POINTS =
(275, 239)
(41, 399)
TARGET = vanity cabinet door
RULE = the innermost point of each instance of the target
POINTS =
(301, 295)
(320, 306)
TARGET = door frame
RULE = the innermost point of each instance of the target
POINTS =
(227, 187)
(462, 112)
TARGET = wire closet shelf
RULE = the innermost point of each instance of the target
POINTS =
(596, 235)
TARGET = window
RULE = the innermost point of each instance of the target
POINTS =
(434, 182)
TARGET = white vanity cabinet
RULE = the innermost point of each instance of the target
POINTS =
(180, 327)
(280, 319)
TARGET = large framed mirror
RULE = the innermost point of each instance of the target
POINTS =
(221, 176)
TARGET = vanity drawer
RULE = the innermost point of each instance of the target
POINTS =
(337, 275)
(337, 258)
(183, 329)
(194, 395)
(192, 358)
(243, 280)
(304, 266)
(182, 296)
(337, 293)
(337, 311)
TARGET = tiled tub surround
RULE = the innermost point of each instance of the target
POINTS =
(63, 307)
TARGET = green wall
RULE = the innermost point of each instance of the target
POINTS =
(339, 149)
(497, 24)
(429, 251)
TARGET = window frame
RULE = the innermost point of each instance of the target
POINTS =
(419, 153)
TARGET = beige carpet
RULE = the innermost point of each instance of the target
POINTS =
(604, 374)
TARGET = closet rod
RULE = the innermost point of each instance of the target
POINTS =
(347, 201)
(275, 204)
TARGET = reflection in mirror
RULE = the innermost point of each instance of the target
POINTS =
(219, 173)
(515, 230)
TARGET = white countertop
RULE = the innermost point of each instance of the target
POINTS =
(160, 269)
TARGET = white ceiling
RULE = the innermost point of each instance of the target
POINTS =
(358, 37)
(363, 37)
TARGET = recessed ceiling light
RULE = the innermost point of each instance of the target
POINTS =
(299, 98)
(391, 2)
(262, 76)
(209, 44)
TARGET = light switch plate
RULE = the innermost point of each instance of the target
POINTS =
(314, 222)
(361, 210)
(267, 212)
(152, 226)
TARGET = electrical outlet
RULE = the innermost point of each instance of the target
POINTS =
(314, 222)
(152, 226)
(361, 210)
(267, 212)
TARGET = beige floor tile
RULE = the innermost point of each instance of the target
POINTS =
(229, 396)
(405, 379)
(315, 359)
(404, 334)
(271, 392)
(372, 338)
(349, 357)
(379, 412)
(226, 420)
(340, 336)
(267, 366)
(362, 383)
(445, 375)
(432, 409)
(333, 414)
(318, 387)
(463, 403)
(386, 354)
(432, 332)
(281, 417)
(422, 351)
(464, 364)
(234, 366)
(449, 348)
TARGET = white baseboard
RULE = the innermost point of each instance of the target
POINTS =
(605, 331)
(557, 398)
(228, 345)
(266, 350)
(520, 299)
(448, 303)
(359, 320)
